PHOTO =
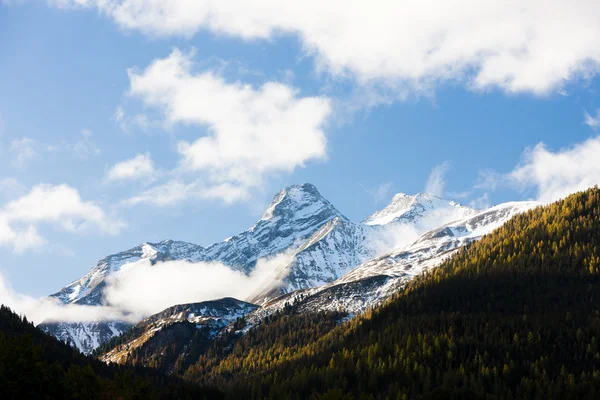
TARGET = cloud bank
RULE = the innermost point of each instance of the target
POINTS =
(406, 46)
(249, 132)
(141, 289)
(146, 289)
(57, 205)
(47, 309)
(556, 174)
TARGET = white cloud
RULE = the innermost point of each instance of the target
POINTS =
(176, 191)
(138, 167)
(435, 183)
(58, 205)
(380, 192)
(141, 289)
(251, 132)
(119, 114)
(10, 187)
(508, 44)
(25, 150)
(145, 288)
(592, 121)
(85, 147)
(395, 236)
(554, 175)
(47, 309)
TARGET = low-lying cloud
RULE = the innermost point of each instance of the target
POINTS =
(145, 288)
(141, 289)
(395, 236)
(49, 309)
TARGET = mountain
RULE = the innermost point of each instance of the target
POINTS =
(372, 282)
(512, 316)
(377, 279)
(174, 333)
(85, 336)
(320, 243)
(88, 289)
(34, 365)
(421, 208)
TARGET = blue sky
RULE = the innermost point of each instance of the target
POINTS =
(361, 126)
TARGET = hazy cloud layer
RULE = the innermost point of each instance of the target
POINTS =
(26, 149)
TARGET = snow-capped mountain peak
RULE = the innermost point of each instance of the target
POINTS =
(410, 209)
(296, 201)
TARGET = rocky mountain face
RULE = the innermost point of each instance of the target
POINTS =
(177, 326)
(85, 336)
(323, 247)
(372, 282)
(88, 289)
(420, 209)
(376, 280)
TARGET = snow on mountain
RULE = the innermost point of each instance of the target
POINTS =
(85, 336)
(376, 280)
(294, 215)
(418, 209)
(334, 249)
(431, 248)
(88, 289)
(214, 315)
(371, 282)
(324, 245)
(297, 219)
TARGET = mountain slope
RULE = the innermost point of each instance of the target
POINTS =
(378, 279)
(421, 208)
(34, 365)
(514, 315)
(161, 340)
(88, 289)
(322, 244)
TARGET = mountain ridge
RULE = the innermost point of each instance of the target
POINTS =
(323, 245)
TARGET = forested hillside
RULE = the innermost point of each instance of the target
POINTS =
(34, 365)
(515, 315)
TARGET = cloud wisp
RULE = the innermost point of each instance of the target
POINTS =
(593, 121)
(436, 181)
(139, 167)
(26, 149)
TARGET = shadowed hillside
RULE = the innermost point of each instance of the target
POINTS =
(515, 315)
